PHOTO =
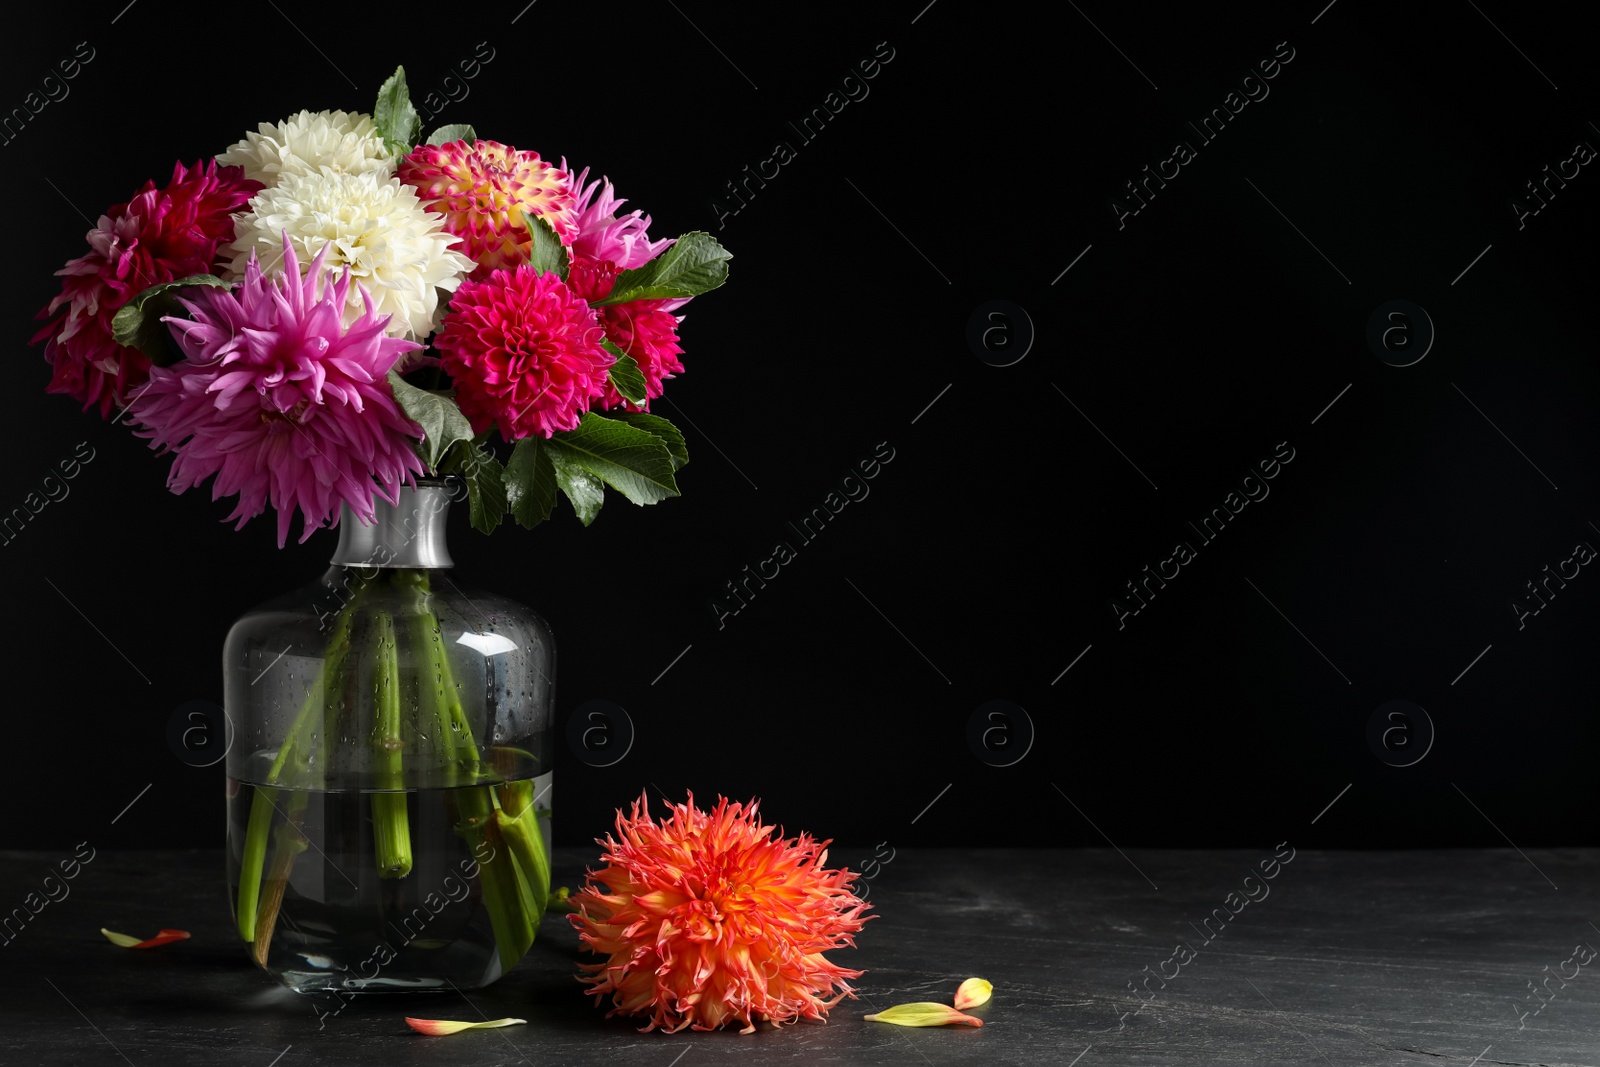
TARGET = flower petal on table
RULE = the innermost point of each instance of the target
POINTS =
(923, 1013)
(973, 991)
(441, 1027)
(165, 937)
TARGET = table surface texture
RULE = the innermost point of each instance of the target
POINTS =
(1341, 958)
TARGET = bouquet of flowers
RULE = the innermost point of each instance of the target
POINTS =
(333, 307)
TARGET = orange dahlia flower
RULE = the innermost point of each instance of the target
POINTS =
(705, 918)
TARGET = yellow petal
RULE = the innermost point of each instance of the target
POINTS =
(973, 991)
(441, 1027)
(120, 940)
(924, 1013)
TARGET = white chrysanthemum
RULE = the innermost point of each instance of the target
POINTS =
(394, 247)
(342, 142)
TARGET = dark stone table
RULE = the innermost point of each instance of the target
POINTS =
(1342, 958)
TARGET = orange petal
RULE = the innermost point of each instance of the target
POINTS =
(973, 991)
(923, 1013)
(165, 937)
(441, 1027)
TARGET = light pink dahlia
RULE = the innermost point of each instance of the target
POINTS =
(279, 400)
(482, 189)
(159, 235)
(602, 234)
(524, 352)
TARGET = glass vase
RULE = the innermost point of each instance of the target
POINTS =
(390, 773)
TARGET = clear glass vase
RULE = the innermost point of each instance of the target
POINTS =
(389, 780)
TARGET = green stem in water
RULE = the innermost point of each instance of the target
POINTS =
(519, 825)
(506, 896)
(509, 916)
(457, 731)
(391, 829)
(255, 858)
(287, 843)
(427, 656)
(338, 684)
(298, 744)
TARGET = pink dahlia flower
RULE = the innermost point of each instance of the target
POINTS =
(482, 189)
(591, 279)
(524, 352)
(645, 329)
(280, 401)
(159, 235)
(602, 234)
(605, 245)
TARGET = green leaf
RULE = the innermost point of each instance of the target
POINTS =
(625, 374)
(459, 131)
(548, 253)
(441, 420)
(486, 486)
(585, 491)
(695, 264)
(634, 462)
(530, 482)
(397, 121)
(138, 324)
(670, 435)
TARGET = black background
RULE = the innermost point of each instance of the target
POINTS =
(981, 164)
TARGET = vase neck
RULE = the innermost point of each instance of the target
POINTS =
(410, 533)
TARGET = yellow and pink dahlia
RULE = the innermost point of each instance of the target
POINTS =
(705, 918)
(159, 235)
(524, 352)
(280, 400)
(482, 190)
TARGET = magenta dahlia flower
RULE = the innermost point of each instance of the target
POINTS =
(482, 189)
(591, 279)
(644, 329)
(280, 401)
(648, 331)
(524, 352)
(603, 235)
(605, 245)
(159, 235)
